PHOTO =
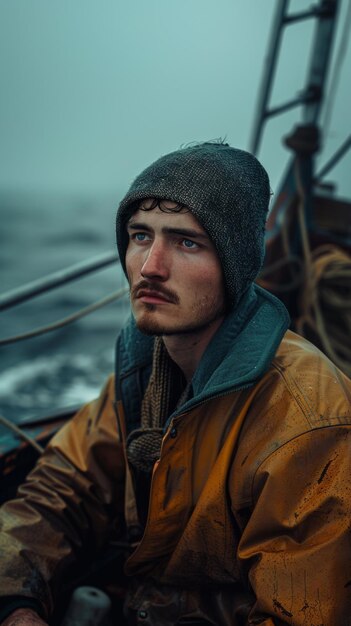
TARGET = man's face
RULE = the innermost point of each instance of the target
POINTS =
(174, 273)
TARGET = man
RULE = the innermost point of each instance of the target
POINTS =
(223, 446)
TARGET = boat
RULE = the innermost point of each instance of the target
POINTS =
(308, 240)
(307, 263)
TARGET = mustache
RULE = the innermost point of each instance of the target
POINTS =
(155, 287)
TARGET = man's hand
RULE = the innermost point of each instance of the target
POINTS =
(24, 617)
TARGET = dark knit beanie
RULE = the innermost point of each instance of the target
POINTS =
(226, 189)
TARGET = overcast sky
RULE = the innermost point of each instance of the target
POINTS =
(94, 90)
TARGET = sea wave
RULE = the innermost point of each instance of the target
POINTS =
(44, 385)
(43, 233)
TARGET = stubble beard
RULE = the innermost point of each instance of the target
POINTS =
(203, 314)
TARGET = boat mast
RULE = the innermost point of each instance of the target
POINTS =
(311, 97)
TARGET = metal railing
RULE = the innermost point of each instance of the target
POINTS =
(53, 281)
(61, 277)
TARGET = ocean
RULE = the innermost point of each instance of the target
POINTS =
(42, 233)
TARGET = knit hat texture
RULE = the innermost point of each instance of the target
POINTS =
(226, 189)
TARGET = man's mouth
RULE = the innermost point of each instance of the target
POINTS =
(152, 295)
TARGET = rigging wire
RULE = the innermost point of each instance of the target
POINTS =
(288, 261)
(116, 295)
(337, 71)
(56, 279)
(323, 281)
(339, 154)
(21, 434)
(326, 301)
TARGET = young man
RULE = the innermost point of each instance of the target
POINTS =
(222, 447)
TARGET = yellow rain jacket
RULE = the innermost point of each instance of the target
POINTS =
(250, 505)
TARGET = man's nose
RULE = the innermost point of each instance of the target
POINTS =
(155, 265)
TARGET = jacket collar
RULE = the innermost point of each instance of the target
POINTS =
(237, 356)
(242, 349)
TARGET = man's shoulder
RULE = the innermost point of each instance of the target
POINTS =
(315, 387)
(303, 396)
(301, 392)
(295, 349)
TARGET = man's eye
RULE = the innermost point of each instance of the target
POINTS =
(189, 244)
(139, 236)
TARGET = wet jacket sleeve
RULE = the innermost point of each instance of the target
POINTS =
(296, 546)
(66, 507)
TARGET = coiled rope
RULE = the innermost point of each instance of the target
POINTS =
(323, 277)
(326, 304)
(325, 300)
